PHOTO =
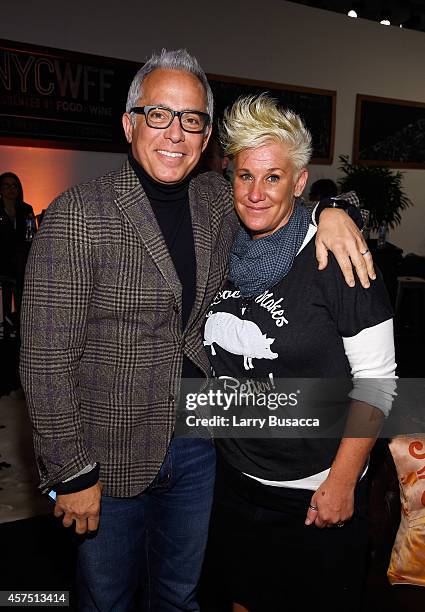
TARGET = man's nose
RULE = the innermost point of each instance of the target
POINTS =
(174, 131)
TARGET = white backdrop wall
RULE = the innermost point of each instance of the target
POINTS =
(271, 40)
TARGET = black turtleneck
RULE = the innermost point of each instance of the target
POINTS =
(170, 204)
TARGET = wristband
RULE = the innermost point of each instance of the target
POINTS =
(350, 208)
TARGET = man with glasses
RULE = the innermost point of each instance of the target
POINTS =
(118, 280)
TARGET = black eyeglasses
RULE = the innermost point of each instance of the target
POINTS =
(161, 117)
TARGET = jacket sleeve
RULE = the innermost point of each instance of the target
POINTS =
(57, 293)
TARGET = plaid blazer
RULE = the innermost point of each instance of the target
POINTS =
(102, 345)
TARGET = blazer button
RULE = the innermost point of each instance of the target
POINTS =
(176, 307)
(42, 467)
(171, 398)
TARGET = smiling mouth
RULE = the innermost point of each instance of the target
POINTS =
(169, 153)
(257, 208)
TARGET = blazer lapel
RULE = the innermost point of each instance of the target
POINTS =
(134, 205)
(200, 214)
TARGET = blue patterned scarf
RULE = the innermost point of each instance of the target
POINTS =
(257, 265)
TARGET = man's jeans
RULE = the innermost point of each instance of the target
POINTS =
(153, 543)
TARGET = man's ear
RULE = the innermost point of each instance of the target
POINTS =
(301, 182)
(206, 138)
(128, 126)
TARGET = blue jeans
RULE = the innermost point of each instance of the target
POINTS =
(152, 545)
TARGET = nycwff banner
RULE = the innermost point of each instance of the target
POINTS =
(63, 99)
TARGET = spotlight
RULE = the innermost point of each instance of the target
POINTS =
(357, 9)
(385, 18)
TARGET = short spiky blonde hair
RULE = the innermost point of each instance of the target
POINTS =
(254, 121)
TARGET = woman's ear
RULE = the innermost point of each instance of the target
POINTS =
(300, 183)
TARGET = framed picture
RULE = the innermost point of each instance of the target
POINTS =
(62, 99)
(389, 132)
(315, 106)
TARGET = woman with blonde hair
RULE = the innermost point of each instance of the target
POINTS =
(289, 522)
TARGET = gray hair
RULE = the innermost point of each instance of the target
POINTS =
(254, 121)
(179, 59)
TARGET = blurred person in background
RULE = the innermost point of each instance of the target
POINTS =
(322, 188)
(213, 158)
(17, 227)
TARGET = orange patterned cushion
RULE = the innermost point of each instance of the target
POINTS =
(407, 563)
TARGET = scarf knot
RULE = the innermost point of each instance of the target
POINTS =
(257, 265)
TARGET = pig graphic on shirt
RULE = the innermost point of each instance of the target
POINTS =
(239, 337)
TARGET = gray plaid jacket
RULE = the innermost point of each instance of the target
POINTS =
(102, 346)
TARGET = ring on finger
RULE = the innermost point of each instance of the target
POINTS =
(312, 507)
(340, 524)
(364, 252)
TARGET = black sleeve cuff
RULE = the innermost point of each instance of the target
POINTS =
(349, 208)
(79, 483)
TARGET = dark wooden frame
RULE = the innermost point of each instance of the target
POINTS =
(370, 110)
(287, 95)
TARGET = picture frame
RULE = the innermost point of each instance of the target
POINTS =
(317, 107)
(389, 132)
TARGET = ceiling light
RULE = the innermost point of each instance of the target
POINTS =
(385, 17)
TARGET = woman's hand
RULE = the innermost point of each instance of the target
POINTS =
(338, 233)
(331, 505)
